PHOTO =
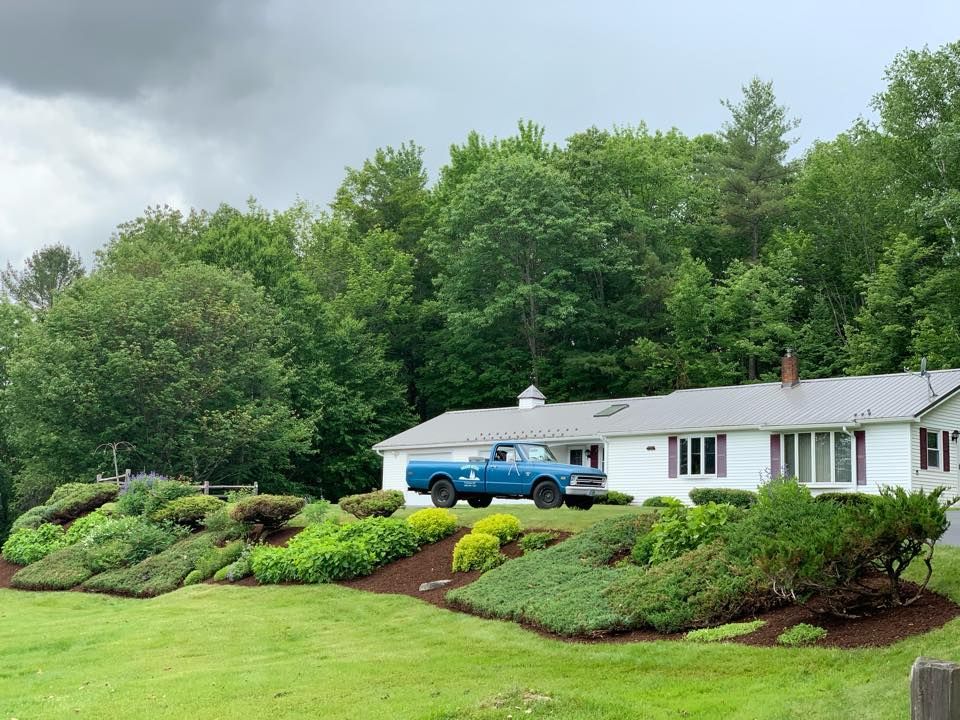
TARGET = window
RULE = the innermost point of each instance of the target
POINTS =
(825, 456)
(698, 455)
(576, 456)
(538, 453)
(933, 449)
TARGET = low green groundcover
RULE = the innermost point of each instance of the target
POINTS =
(724, 632)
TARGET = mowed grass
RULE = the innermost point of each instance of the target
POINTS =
(211, 651)
(560, 519)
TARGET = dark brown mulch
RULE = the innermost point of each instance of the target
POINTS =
(432, 563)
(281, 537)
(7, 571)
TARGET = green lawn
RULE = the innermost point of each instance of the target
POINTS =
(325, 651)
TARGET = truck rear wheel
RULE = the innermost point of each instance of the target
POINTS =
(443, 494)
(480, 502)
(547, 496)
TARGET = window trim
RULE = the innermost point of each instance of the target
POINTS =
(938, 465)
(794, 472)
(684, 443)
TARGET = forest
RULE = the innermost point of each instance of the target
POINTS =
(241, 344)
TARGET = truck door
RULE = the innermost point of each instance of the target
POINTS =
(504, 471)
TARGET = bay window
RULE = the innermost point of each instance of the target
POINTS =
(822, 456)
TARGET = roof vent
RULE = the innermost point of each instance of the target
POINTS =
(531, 398)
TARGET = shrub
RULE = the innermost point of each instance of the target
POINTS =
(189, 510)
(536, 541)
(560, 589)
(379, 503)
(326, 559)
(502, 526)
(85, 525)
(664, 501)
(271, 565)
(744, 499)
(476, 551)
(316, 512)
(27, 546)
(845, 498)
(157, 574)
(213, 560)
(109, 509)
(60, 570)
(384, 539)
(238, 569)
(724, 632)
(614, 498)
(271, 511)
(75, 499)
(433, 524)
(801, 634)
(124, 541)
(148, 494)
(31, 519)
(680, 529)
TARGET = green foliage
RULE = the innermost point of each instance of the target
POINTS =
(316, 511)
(271, 511)
(560, 589)
(801, 634)
(699, 588)
(379, 503)
(158, 573)
(680, 529)
(476, 551)
(123, 541)
(845, 498)
(25, 546)
(145, 497)
(271, 565)
(46, 273)
(536, 540)
(238, 569)
(728, 496)
(615, 498)
(221, 521)
(189, 511)
(213, 560)
(86, 525)
(62, 569)
(724, 632)
(72, 500)
(32, 518)
(506, 528)
(432, 524)
(661, 501)
(385, 539)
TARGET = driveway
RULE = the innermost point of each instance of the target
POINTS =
(952, 535)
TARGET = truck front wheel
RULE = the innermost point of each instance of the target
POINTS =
(480, 502)
(443, 494)
(577, 502)
(547, 496)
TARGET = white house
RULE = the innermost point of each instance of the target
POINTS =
(846, 433)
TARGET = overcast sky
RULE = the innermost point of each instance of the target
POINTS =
(108, 106)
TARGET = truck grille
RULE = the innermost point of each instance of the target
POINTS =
(588, 480)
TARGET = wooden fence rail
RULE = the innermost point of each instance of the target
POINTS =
(123, 481)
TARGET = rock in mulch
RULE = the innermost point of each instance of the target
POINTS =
(434, 585)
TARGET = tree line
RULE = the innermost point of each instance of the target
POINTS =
(243, 343)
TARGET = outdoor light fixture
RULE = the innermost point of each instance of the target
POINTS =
(954, 435)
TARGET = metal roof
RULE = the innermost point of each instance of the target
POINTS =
(830, 401)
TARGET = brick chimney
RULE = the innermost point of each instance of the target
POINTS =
(789, 374)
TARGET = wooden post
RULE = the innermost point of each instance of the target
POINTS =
(934, 690)
(206, 487)
(99, 477)
(256, 488)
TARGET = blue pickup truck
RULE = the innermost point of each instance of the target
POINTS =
(513, 470)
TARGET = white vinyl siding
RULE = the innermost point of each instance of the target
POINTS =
(944, 417)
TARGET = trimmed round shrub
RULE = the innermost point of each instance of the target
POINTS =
(662, 501)
(27, 545)
(502, 526)
(72, 500)
(614, 498)
(31, 519)
(188, 511)
(476, 551)
(271, 511)
(379, 503)
(433, 524)
(800, 635)
(745, 499)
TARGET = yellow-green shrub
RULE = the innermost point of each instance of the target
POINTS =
(433, 524)
(502, 526)
(476, 551)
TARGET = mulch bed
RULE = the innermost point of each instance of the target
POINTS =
(7, 571)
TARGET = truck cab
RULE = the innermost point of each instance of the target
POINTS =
(513, 469)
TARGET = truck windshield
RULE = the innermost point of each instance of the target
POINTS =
(538, 453)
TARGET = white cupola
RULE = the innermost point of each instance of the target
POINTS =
(531, 398)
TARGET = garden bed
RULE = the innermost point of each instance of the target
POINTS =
(7, 571)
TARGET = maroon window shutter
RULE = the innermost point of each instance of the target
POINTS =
(721, 456)
(672, 456)
(923, 448)
(860, 436)
(946, 451)
(594, 456)
(775, 455)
